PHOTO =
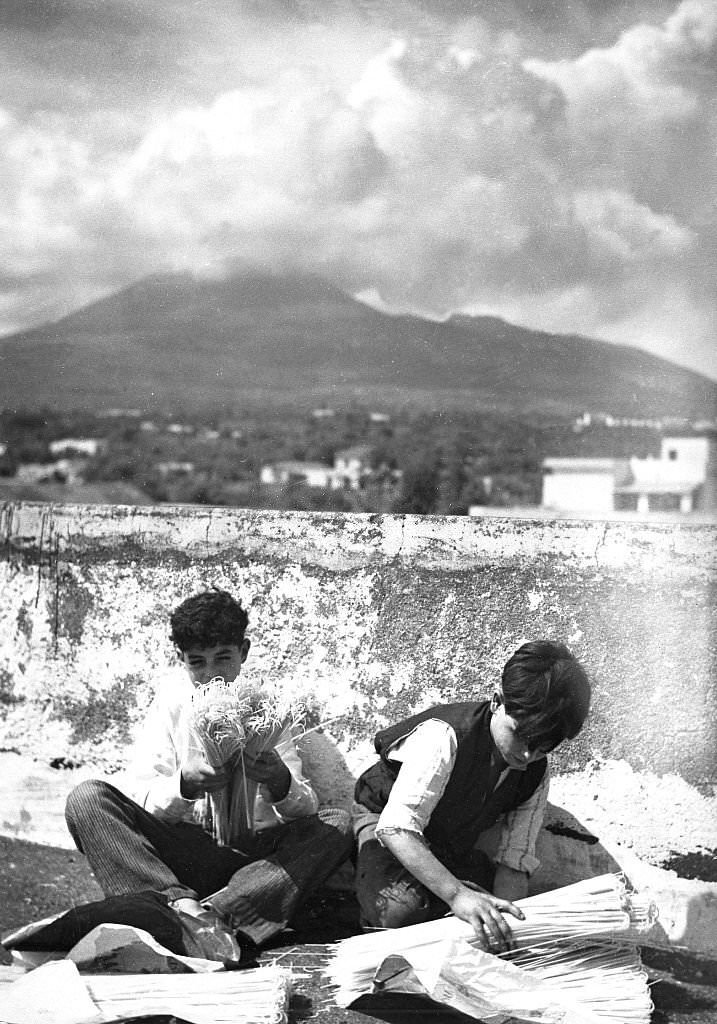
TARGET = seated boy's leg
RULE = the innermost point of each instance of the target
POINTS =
(292, 861)
(388, 895)
(130, 850)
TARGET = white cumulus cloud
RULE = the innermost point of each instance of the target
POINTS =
(442, 171)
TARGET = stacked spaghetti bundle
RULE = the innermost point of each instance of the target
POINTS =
(564, 943)
(605, 978)
(228, 721)
(259, 996)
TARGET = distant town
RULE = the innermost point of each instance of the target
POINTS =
(363, 459)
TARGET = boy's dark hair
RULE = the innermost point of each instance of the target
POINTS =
(208, 619)
(547, 691)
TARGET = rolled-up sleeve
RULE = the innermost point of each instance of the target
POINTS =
(520, 828)
(427, 756)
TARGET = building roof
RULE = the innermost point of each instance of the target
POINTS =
(707, 430)
(658, 487)
(297, 466)
(582, 465)
(356, 451)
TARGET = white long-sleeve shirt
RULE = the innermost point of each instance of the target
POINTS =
(154, 774)
(427, 756)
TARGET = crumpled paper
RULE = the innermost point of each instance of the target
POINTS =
(52, 994)
(479, 985)
(120, 949)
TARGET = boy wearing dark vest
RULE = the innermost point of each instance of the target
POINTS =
(448, 774)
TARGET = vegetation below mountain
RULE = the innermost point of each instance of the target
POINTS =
(440, 462)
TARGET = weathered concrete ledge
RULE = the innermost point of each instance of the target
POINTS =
(371, 617)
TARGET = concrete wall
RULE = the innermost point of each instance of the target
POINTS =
(372, 617)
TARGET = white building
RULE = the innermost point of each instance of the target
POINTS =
(681, 479)
(294, 471)
(352, 466)
(581, 485)
(673, 482)
(167, 469)
(84, 445)
(62, 471)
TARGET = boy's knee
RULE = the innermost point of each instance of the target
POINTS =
(338, 818)
(388, 895)
(84, 797)
(397, 906)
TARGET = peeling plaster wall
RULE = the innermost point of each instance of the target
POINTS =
(372, 617)
(375, 615)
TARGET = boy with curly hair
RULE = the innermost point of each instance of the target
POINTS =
(154, 840)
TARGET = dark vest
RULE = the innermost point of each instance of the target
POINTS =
(465, 809)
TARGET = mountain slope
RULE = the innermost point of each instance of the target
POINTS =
(175, 340)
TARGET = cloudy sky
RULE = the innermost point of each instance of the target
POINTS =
(548, 161)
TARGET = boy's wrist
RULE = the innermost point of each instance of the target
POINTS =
(279, 787)
(186, 791)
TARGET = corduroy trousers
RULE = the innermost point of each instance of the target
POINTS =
(259, 889)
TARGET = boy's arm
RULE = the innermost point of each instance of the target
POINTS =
(428, 757)
(298, 800)
(153, 778)
(483, 911)
(515, 856)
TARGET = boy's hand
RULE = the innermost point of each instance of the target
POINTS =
(268, 769)
(199, 777)
(485, 913)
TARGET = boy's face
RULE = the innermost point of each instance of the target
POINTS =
(204, 663)
(506, 736)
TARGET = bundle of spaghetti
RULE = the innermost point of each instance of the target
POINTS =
(595, 908)
(259, 996)
(230, 720)
(606, 978)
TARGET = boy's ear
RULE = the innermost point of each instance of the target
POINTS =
(246, 644)
(496, 701)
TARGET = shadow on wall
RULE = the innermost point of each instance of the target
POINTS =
(568, 852)
(326, 769)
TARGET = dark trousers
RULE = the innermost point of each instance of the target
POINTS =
(131, 850)
(390, 897)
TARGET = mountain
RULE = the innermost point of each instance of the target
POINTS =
(175, 340)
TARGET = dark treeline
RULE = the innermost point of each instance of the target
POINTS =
(419, 462)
